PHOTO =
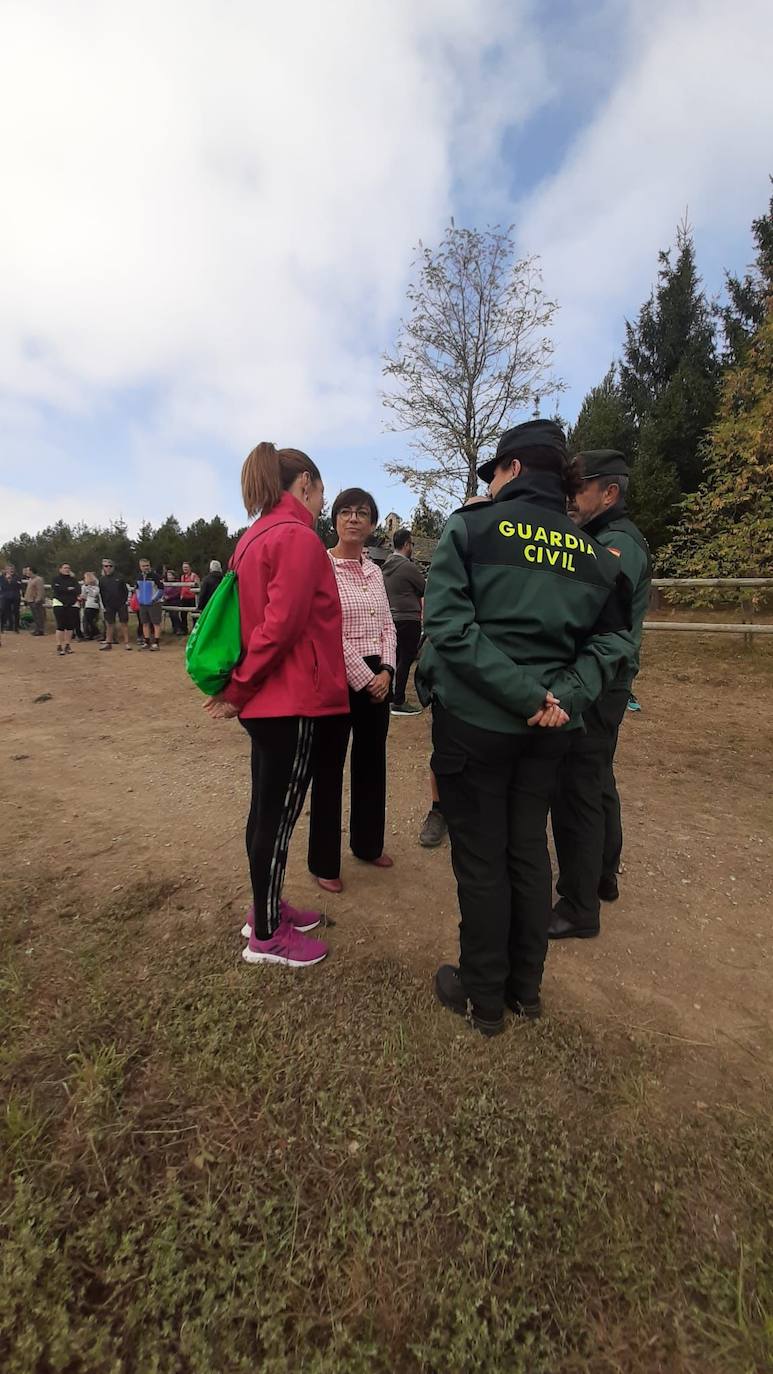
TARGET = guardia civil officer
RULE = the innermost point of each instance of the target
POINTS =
(527, 621)
(586, 808)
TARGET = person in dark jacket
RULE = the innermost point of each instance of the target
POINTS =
(10, 599)
(65, 592)
(587, 825)
(209, 583)
(114, 594)
(527, 621)
(405, 588)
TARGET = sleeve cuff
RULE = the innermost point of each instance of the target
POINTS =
(238, 694)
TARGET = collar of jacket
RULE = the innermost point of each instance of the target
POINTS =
(288, 507)
(539, 488)
(600, 522)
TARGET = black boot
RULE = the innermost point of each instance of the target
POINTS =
(525, 1011)
(563, 927)
(608, 889)
(449, 990)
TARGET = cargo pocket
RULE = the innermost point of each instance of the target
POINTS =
(449, 767)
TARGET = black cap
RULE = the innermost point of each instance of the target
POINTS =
(603, 462)
(521, 440)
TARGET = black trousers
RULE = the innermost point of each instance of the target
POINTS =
(368, 724)
(408, 636)
(587, 827)
(281, 769)
(91, 622)
(10, 612)
(495, 791)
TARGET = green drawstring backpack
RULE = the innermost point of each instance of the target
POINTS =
(214, 648)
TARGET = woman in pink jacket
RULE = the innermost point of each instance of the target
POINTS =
(290, 685)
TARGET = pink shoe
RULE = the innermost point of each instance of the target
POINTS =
(304, 921)
(287, 946)
(329, 884)
(383, 861)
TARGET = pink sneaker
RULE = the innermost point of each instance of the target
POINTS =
(304, 921)
(286, 946)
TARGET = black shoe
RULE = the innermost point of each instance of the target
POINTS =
(561, 929)
(608, 889)
(525, 1011)
(449, 990)
(434, 830)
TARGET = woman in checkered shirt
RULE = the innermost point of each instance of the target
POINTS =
(370, 656)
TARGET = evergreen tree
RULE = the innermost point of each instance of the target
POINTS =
(654, 496)
(745, 310)
(428, 520)
(669, 375)
(726, 529)
(603, 420)
(325, 529)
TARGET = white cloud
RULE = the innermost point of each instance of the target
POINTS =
(209, 211)
(687, 127)
(218, 201)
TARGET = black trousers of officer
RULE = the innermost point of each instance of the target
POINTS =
(495, 791)
(586, 811)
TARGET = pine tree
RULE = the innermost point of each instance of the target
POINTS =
(669, 375)
(654, 496)
(603, 420)
(428, 520)
(726, 529)
(745, 310)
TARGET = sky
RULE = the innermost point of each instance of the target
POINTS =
(211, 209)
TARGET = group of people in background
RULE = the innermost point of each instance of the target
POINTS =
(527, 630)
(79, 604)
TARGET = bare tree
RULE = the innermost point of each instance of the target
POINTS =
(474, 351)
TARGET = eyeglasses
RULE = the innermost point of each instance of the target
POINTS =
(362, 514)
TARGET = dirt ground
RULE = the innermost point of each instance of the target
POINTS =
(118, 773)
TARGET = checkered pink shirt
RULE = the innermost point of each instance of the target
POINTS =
(368, 627)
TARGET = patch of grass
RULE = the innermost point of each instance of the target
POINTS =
(212, 1168)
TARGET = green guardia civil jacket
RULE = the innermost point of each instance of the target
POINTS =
(519, 600)
(617, 532)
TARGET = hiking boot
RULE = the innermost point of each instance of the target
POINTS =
(608, 889)
(60, 651)
(524, 1011)
(68, 648)
(434, 830)
(302, 921)
(143, 644)
(286, 946)
(449, 991)
(154, 647)
(404, 709)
